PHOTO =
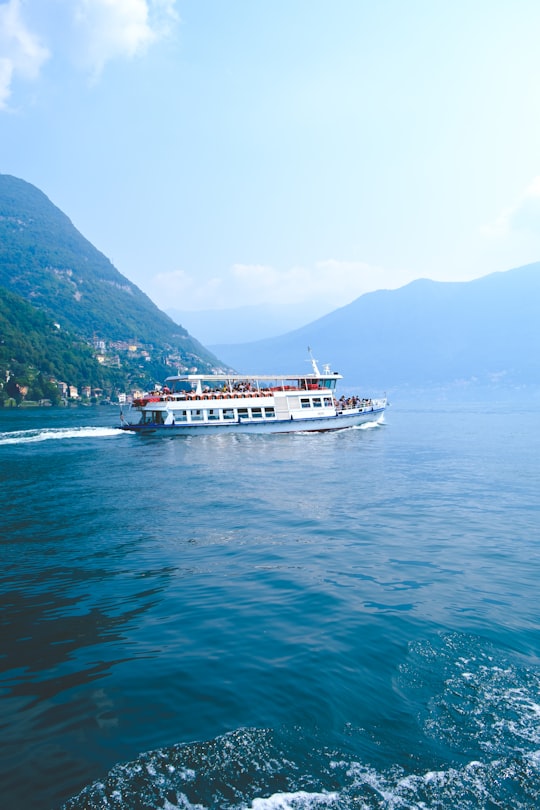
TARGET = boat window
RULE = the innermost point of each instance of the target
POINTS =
(317, 402)
(242, 413)
(197, 416)
(269, 413)
(256, 413)
(328, 402)
(213, 414)
(180, 416)
(305, 403)
(228, 413)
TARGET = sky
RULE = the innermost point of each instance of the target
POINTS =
(225, 153)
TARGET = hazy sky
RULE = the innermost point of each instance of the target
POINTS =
(223, 153)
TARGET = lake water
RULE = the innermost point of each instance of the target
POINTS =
(341, 620)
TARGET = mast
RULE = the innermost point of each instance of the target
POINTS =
(313, 363)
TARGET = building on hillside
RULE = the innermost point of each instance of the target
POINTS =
(120, 345)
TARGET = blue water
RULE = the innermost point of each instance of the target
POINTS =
(345, 620)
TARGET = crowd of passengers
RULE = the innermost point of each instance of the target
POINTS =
(353, 402)
(341, 404)
(237, 388)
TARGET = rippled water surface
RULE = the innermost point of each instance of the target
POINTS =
(343, 620)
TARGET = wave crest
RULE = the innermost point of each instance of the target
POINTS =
(47, 434)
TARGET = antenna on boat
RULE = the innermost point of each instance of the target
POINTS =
(313, 362)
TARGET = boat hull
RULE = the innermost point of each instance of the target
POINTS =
(339, 421)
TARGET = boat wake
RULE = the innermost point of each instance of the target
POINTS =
(364, 426)
(245, 769)
(47, 434)
(496, 761)
(369, 425)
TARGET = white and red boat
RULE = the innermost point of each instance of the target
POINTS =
(248, 403)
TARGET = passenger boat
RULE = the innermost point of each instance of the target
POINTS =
(243, 403)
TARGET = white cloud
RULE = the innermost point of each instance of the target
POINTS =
(88, 33)
(329, 283)
(333, 280)
(21, 53)
(112, 29)
(523, 215)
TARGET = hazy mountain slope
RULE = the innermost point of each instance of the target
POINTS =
(244, 323)
(45, 260)
(426, 332)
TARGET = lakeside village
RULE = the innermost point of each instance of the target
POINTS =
(114, 354)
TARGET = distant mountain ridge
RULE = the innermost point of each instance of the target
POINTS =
(426, 333)
(246, 323)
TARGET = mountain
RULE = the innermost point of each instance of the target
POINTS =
(34, 351)
(245, 323)
(238, 324)
(426, 333)
(46, 261)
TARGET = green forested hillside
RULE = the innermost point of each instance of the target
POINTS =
(46, 262)
(34, 351)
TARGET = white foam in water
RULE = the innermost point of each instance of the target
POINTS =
(495, 735)
(46, 434)
(295, 801)
(534, 757)
(468, 787)
(369, 425)
(182, 803)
